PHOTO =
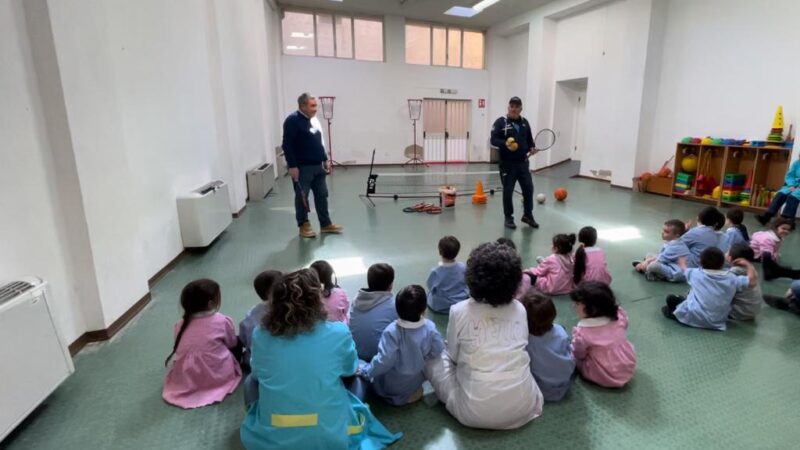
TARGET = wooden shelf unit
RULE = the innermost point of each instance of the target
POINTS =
(769, 165)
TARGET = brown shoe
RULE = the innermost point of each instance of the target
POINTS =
(306, 231)
(332, 228)
(415, 397)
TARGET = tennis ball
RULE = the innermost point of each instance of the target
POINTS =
(513, 147)
(510, 141)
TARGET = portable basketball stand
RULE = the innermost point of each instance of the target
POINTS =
(327, 114)
(414, 113)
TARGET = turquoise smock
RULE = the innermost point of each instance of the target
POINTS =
(792, 180)
(302, 401)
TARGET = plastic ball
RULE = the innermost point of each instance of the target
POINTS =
(664, 172)
(645, 176)
(686, 140)
(689, 163)
(560, 194)
(540, 198)
(706, 141)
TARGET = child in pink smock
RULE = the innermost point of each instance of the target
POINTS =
(590, 261)
(204, 370)
(333, 297)
(600, 345)
(554, 274)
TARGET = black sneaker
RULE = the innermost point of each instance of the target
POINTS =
(777, 301)
(763, 218)
(530, 221)
(509, 223)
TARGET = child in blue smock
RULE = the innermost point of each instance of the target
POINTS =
(664, 265)
(704, 235)
(396, 372)
(711, 291)
(446, 285)
(373, 310)
(552, 364)
(736, 232)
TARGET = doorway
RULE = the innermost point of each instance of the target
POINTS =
(569, 119)
(446, 130)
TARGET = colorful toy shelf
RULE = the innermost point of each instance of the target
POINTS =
(745, 175)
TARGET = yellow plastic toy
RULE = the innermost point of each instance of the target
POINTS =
(706, 141)
(716, 193)
(745, 203)
(689, 163)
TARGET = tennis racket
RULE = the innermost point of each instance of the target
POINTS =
(544, 139)
(302, 195)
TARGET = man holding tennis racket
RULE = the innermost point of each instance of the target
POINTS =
(512, 134)
(308, 165)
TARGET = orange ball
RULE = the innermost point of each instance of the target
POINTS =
(560, 194)
(646, 176)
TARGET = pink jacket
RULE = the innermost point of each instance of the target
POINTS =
(596, 266)
(602, 350)
(337, 305)
(766, 241)
(204, 370)
(554, 275)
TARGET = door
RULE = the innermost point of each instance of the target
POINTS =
(580, 114)
(446, 125)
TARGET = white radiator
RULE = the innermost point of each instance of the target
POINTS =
(33, 355)
(260, 180)
(204, 214)
(280, 161)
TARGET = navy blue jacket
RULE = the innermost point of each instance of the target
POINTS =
(302, 144)
(503, 129)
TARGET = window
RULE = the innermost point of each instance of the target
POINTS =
(439, 45)
(340, 36)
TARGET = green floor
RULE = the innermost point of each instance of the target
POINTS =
(692, 389)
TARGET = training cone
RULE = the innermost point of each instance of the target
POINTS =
(479, 197)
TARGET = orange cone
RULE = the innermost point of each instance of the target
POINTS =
(479, 197)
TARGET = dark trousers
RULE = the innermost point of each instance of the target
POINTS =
(789, 211)
(510, 174)
(672, 304)
(312, 179)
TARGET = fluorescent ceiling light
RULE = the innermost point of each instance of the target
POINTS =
(297, 34)
(460, 11)
(483, 4)
(295, 47)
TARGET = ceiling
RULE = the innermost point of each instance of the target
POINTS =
(427, 10)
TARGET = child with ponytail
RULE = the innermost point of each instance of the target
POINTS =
(554, 274)
(590, 261)
(204, 370)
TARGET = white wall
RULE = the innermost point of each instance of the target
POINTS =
(371, 98)
(126, 105)
(726, 66)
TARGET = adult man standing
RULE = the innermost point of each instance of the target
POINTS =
(308, 165)
(512, 134)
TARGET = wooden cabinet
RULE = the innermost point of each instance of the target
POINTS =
(766, 165)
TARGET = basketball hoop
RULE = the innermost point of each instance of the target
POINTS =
(415, 113)
(327, 114)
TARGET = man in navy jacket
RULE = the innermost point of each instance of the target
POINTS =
(308, 165)
(512, 134)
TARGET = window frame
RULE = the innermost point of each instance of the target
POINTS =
(352, 16)
(447, 27)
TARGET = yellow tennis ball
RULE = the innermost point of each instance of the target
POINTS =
(510, 141)
(513, 147)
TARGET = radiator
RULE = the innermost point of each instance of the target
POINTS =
(34, 357)
(204, 214)
(260, 181)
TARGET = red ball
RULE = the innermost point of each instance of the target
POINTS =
(560, 194)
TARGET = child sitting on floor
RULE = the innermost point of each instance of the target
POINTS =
(746, 303)
(204, 370)
(711, 291)
(664, 266)
(766, 247)
(552, 364)
(396, 372)
(446, 285)
(600, 345)
(554, 274)
(263, 285)
(333, 297)
(590, 261)
(706, 234)
(736, 232)
(373, 310)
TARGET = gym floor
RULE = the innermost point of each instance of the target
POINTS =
(692, 389)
